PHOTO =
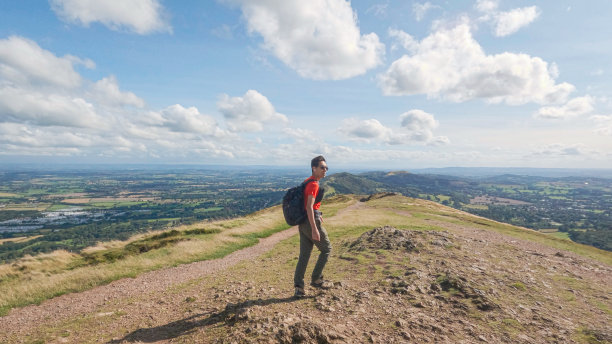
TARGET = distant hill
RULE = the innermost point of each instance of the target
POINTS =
(409, 184)
(524, 171)
(572, 207)
(414, 183)
(347, 183)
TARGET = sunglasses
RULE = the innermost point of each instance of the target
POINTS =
(324, 168)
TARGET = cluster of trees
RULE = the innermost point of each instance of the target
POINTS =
(523, 216)
(14, 214)
(599, 238)
(183, 197)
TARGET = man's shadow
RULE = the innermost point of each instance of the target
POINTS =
(232, 313)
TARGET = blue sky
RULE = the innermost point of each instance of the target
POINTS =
(368, 84)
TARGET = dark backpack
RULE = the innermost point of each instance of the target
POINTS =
(293, 204)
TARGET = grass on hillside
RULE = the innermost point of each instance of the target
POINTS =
(269, 277)
(34, 279)
(19, 239)
(435, 211)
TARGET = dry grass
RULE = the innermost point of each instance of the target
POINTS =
(108, 245)
(34, 279)
(19, 239)
(28, 206)
(6, 194)
(106, 199)
(33, 267)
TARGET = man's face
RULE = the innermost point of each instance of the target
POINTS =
(320, 171)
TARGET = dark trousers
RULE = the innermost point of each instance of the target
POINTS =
(306, 243)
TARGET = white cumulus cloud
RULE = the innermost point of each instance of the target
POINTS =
(574, 107)
(139, 16)
(403, 39)
(421, 9)
(420, 125)
(450, 64)
(508, 22)
(107, 91)
(36, 137)
(40, 88)
(319, 39)
(418, 120)
(23, 61)
(416, 127)
(29, 106)
(487, 6)
(365, 130)
(248, 113)
(190, 120)
(48, 109)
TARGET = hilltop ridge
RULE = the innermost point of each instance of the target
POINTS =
(577, 208)
(404, 270)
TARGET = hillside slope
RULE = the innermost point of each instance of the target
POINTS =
(405, 270)
(346, 183)
(403, 182)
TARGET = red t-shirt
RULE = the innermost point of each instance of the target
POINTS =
(312, 188)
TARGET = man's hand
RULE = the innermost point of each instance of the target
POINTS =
(315, 235)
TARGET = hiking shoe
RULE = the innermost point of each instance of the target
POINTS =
(299, 293)
(322, 284)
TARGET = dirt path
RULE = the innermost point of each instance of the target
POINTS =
(21, 321)
(535, 294)
(71, 305)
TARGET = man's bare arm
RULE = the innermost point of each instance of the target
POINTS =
(311, 218)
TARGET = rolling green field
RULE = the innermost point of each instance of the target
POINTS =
(71, 210)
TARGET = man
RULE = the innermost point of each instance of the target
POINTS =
(311, 231)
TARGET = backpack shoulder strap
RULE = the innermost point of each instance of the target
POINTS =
(308, 181)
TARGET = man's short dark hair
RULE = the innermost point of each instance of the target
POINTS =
(316, 161)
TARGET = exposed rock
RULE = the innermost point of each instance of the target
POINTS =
(410, 271)
(601, 335)
(387, 238)
(307, 332)
(442, 242)
(391, 238)
(242, 314)
(418, 305)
